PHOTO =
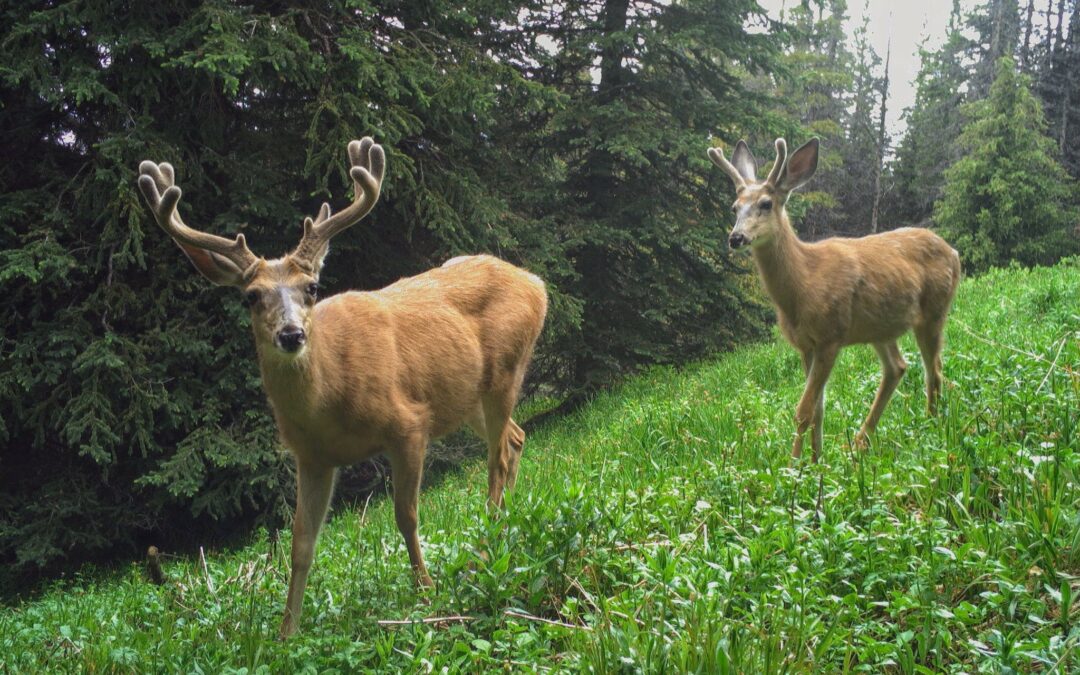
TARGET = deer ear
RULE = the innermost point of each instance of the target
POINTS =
(744, 161)
(214, 267)
(800, 167)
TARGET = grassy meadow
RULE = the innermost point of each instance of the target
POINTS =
(663, 528)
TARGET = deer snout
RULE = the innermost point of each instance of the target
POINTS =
(737, 240)
(291, 338)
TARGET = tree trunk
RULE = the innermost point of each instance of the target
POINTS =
(881, 141)
(1065, 77)
(597, 179)
(1025, 51)
(1058, 36)
(995, 36)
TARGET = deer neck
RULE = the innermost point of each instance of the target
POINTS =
(781, 261)
(290, 381)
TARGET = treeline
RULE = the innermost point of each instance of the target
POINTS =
(991, 152)
(566, 137)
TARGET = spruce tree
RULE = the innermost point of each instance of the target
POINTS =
(642, 211)
(819, 95)
(928, 147)
(1007, 197)
(130, 404)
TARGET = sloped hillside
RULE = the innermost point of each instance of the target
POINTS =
(664, 529)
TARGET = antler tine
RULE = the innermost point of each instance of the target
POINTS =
(778, 166)
(368, 166)
(156, 177)
(717, 156)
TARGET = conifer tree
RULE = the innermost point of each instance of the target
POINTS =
(928, 146)
(130, 403)
(1007, 198)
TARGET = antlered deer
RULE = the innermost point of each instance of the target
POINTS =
(362, 373)
(839, 292)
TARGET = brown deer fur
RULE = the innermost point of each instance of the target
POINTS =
(364, 373)
(838, 291)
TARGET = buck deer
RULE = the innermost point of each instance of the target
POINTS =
(839, 292)
(362, 373)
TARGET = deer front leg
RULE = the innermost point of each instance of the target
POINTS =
(314, 484)
(811, 408)
(502, 431)
(817, 426)
(407, 466)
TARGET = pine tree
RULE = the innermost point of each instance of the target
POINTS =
(129, 396)
(928, 147)
(641, 208)
(997, 25)
(818, 95)
(854, 185)
(1007, 198)
(130, 403)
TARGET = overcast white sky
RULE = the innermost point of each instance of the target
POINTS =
(907, 22)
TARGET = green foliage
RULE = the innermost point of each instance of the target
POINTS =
(933, 126)
(1007, 198)
(637, 200)
(129, 388)
(663, 529)
(130, 405)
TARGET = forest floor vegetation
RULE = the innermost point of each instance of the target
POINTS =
(664, 528)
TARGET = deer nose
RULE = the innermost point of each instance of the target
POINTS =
(737, 239)
(291, 338)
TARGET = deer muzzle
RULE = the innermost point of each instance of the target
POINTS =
(291, 338)
(737, 240)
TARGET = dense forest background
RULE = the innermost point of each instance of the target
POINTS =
(566, 137)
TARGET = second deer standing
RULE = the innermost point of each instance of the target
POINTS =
(839, 292)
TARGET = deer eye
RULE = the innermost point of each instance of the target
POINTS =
(765, 204)
(313, 290)
(251, 298)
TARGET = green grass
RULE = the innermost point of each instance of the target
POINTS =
(664, 529)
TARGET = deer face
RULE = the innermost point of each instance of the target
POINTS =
(281, 293)
(756, 210)
(759, 206)
(281, 296)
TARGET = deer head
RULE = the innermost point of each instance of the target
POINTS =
(281, 293)
(760, 206)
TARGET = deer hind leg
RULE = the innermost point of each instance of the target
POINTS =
(516, 438)
(930, 339)
(893, 367)
(313, 488)
(496, 419)
(811, 409)
(407, 467)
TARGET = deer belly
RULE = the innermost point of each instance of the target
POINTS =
(871, 324)
(330, 442)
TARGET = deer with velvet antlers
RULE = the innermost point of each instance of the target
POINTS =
(363, 373)
(838, 291)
